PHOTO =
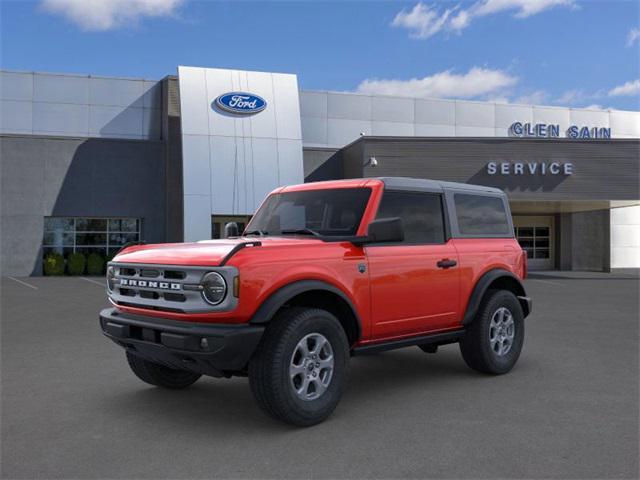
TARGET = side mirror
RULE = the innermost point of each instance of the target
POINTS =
(231, 230)
(385, 230)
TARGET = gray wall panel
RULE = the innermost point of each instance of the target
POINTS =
(590, 241)
(606, 170)
(44, 176)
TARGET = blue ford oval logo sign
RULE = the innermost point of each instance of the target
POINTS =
(241, 103)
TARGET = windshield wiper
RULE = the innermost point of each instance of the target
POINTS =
(302, 231)
(256, 232)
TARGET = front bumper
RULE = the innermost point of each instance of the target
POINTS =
(180, 345)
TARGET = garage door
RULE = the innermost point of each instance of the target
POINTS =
(535, 235)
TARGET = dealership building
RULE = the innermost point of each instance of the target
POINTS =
(89, 163)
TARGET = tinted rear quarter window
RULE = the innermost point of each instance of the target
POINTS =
(421, 215)
(481, 215)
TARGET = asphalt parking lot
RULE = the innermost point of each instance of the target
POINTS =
(72, 409)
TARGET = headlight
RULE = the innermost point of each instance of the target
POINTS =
(111, 273)
(214, 288)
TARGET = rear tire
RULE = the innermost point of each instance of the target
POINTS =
(493, 342)
(299, 370)
(159, 375)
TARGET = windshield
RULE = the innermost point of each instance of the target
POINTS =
(331, 212)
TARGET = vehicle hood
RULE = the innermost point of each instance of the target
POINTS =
(203, 253)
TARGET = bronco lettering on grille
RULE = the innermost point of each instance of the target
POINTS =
(129, 282)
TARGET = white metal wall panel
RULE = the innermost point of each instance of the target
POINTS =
(435, 112)
(152, 94)
(389, 109)
(472, 114)
(552, 115)
(349, 106)
(598, 118)
(196, 207)
(624, 123)
(16, 117)
(106, 121)
(266, 171)
(348, 114)
(313, 104)
(314, 130)
(462, 131)
(506, 115)
(248, 155)
(426, 130)
(116, 92)
(625, 237)
(194, 110)
(16, 86)
(341, 132)
(80, 106)
(60, 89)
(392, 129)
(196, 176)
(224, 174)
(290, 166)
(61, 118)
(285, 91)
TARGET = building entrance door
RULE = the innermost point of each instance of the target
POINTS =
(535, 234)
(219, 221)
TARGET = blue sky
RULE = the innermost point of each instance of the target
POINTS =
(559, 52)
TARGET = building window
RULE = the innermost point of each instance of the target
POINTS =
(105, 236)
(535, 240)
(219, 221)
(481, 215)
(421, 215)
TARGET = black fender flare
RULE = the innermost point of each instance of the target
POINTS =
(280, 297)
(481, 287)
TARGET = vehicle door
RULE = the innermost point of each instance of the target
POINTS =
(414, 283)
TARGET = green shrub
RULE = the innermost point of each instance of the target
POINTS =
(53, 264)
(95, 264)
(76, 263)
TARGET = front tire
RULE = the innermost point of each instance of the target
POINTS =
(159, 375)
(493, 342)
(299, 371)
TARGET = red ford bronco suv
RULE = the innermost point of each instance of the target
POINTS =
(324, 271)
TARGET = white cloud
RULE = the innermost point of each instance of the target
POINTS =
(538, 97)
(595, 106)
(423, 21)
(475, 83)
(524, 8)
(633, 36)
(629, 88)
(100, 15)
(571, 97)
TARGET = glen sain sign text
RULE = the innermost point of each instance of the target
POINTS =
(545, 130)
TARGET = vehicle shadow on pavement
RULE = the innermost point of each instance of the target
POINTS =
(229, 404)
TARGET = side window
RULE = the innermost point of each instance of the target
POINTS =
(421, 215)
(481, 215)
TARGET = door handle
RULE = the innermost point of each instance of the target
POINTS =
(446, 263)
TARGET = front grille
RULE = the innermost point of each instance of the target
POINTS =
(167, 288)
